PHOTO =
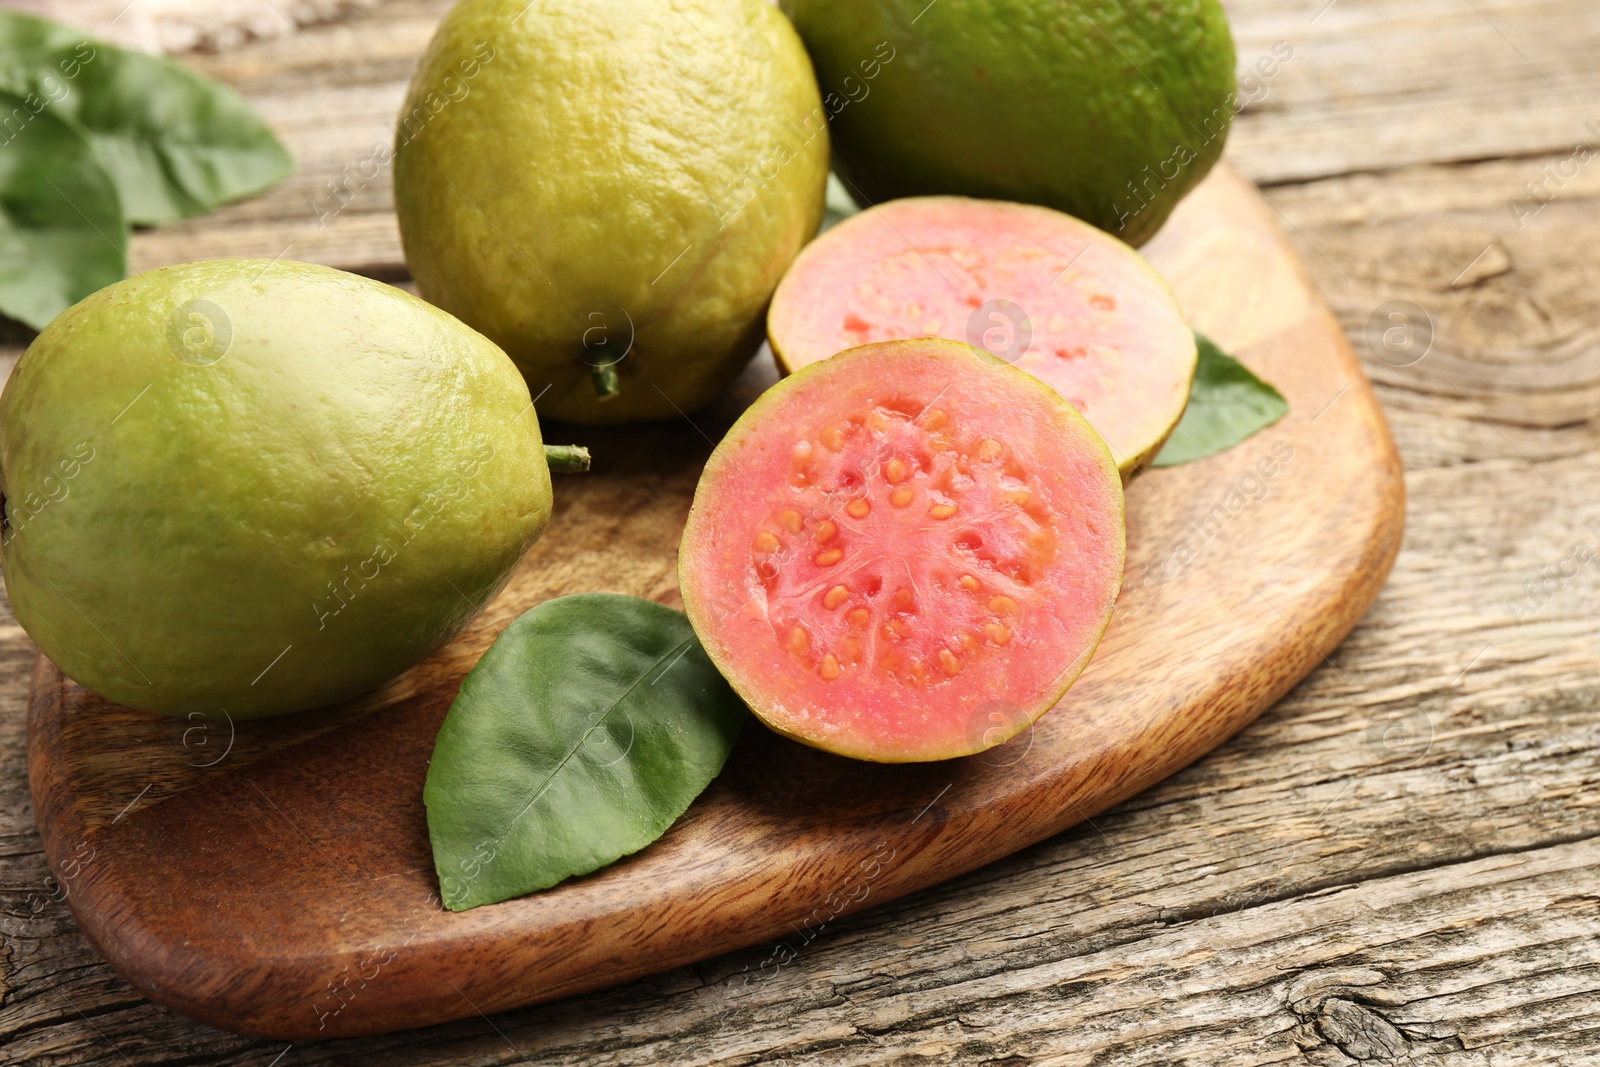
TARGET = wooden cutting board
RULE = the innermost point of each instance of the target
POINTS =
(275, 878)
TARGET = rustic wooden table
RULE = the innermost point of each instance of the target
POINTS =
(1398, 862)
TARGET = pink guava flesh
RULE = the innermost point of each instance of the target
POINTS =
(906, 552)
(1054, 296)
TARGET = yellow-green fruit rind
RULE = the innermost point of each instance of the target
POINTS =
(583, 179)
(1110, 110)
(259, 487)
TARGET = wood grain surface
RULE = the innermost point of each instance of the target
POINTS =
(1395, 864)
(286, 888)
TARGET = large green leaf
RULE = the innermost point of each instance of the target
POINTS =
(581, 735)
(62, 235)
(1226, 405)
(176, 144)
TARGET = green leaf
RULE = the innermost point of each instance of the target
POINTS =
(176, 144)
(1226, 405)
(62, 235)
(581, 735)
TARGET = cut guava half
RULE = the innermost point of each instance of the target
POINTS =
(906, 552)
(1051, 295)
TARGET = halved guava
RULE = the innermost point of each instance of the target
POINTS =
(905, 552)
(1043, 291)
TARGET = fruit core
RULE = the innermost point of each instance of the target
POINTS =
(902, 544)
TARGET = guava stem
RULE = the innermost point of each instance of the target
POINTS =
(605, 381)
(567, 459)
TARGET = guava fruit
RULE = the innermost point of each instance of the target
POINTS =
(1051, 295)
(257, 487)
(611, 189)
(1110, 110)
(893, 543)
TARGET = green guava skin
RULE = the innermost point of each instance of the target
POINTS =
(284, 527)
(1110, 110)
(570, 174)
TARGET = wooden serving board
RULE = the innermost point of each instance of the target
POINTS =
(275, 878)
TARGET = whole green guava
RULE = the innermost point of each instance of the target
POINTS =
(1110, 110)
(611, 189)
(257, 487)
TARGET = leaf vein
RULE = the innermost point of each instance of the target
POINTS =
(593, 726)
